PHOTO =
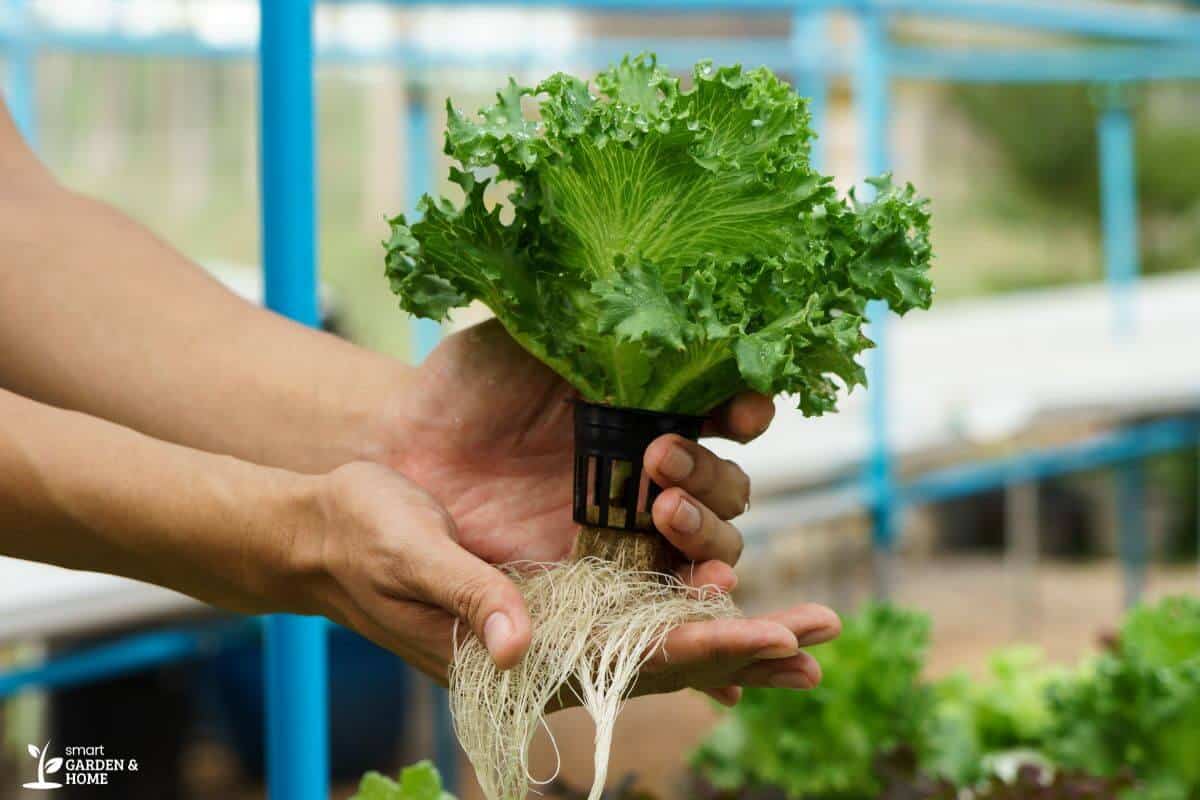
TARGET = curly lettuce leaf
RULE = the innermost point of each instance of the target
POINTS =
(668, 248)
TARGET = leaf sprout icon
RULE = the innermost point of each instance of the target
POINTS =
(44, 767)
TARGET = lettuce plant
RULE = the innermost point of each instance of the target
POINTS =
(662, 248)
(667, 247)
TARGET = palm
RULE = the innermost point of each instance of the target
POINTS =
(488, 433)
(490, 438)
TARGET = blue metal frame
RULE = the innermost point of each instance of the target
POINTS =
(872, 85)
(1128, 444)
(419, 179)
(960, 65)
(808, 54)
(129, 654)
(1155, 45)
(1106, 19)
(1118, 205)
(1130, 494)
(295, 650)
(426, 334)
(22, 86)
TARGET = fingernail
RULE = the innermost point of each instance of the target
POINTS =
(815, 636)
(791, 680)
(686, 518)
(677, 464)
(813, 670)
(497, 631)
(776, 651)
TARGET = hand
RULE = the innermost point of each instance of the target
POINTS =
(377, 554)
(487, 430)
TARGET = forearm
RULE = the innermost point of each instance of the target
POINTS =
(98, 315)
(87, 494)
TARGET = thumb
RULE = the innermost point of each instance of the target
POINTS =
(481, 596)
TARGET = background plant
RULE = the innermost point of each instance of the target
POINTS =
(1124, 723)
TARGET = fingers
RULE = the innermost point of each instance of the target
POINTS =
(709, 575)
(718, 655)
(716, 645)
(672, 460)
(800, 671)
(694, 530)
(811, 623)
(478, 594)
(743, 418)
(725, 695)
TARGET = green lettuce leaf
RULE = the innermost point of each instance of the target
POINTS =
(826, 742)
(418, 782)
(664, 248)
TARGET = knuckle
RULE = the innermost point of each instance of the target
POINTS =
(435, 516)
(706, 474)
(740, 481)
(395, 577)
(468, 595)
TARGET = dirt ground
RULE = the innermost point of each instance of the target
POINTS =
(977, 605)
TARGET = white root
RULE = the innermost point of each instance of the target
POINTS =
(595, 624)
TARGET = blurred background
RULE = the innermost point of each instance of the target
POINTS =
(1029, 446)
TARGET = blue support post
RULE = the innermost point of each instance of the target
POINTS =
(872, 89)
(295, 662)
(1119, 218)
(1131, 533)
(426, 333)
(810, 27)
(1118, 208)
(22, 86)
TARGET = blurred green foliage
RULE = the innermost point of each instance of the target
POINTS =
(1130, 712)
(1047, 135)
(823, 743)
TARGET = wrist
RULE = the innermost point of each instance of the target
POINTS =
(289, 565)
(381, 428)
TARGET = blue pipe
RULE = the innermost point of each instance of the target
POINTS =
(1047, 64)
(1107, 20)
(295, 652)
(1131, 533)
(426, 333)
(1109, 448)
(871, 87)
(22, 85)
(809, 32)
(123, 656)
(967, 65)
(1118, 210)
